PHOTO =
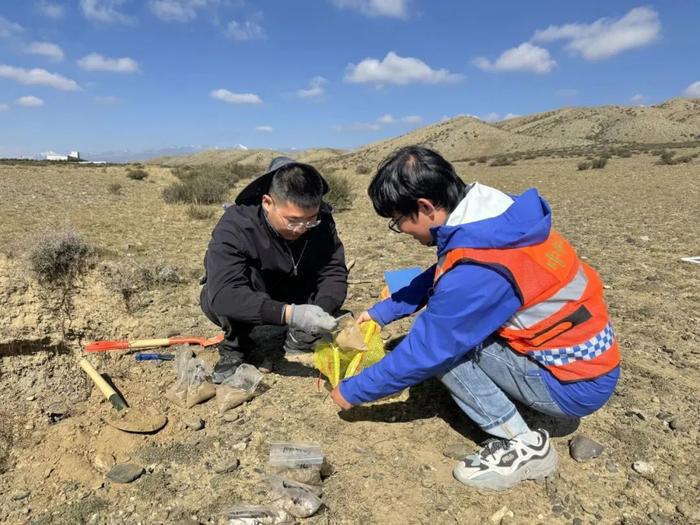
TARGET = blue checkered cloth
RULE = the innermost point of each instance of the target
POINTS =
(591, 349)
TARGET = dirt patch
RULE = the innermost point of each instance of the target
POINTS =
(633, 220)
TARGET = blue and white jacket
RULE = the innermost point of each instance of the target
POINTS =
(469, 303)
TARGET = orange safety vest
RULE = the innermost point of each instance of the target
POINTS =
(563, 322)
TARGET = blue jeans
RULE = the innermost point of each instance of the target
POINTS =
(484, 383)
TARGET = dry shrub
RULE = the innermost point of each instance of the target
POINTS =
(340, 195)
(115, 188)
(501, 161)
(599, 163)
(137, 174)
(362, 169)
(132, 279)
(206, 184)
(199, 212)
(583, 165)
(59, 261)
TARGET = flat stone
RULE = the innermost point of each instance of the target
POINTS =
(226, 467)
(678, 424)
(194, 423)
(582, 448)
(240, 446)
(125, 473)
(458, 450)
(588, 507)
(497, 516)
(103, 461)
(20, 495)
(611, 467)
(231, 416)
(643, 468)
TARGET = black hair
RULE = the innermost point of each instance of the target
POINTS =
(411, 173)
(298, 185)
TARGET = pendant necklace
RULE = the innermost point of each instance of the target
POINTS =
(295, 264)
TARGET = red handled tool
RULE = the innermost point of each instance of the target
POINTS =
(102, 346)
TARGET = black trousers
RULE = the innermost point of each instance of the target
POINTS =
(237, 341)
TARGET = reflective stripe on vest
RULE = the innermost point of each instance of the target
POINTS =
(573, 291)
(591, 349)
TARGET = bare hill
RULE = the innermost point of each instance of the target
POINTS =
(677, 120)
(674, 121)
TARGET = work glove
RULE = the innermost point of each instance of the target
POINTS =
(311, 318)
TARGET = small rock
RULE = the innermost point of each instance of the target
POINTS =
(20, 495)
(590, 508)
(125, 473)
(664, 416)
(644, 238)
(643, 468)
(683, 509)
(674, 478)
(577, 521)
(582, 448)
(104, 462)
(240, 446)
(458, 450)
(678, 424)
(497, 516)
(231, 416)
(31, 398)
(226, 467)
(558, 509)
(56, 412)
(657, 518)
(610, 466)
(193, 423)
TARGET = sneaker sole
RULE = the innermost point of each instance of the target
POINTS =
(539, 469)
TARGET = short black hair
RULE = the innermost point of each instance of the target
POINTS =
(412, 173)
(298, 185)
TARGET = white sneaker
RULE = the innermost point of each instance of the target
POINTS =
(503, 463)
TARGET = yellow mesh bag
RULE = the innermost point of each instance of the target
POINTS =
(337, 362)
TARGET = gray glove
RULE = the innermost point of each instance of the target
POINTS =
(311, 318)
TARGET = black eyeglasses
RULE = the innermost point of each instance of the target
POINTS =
(394, 224)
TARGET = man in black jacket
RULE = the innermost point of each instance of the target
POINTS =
(274, 259)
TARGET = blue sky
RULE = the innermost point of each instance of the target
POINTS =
(101, 75)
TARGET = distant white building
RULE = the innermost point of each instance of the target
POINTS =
(73, 156)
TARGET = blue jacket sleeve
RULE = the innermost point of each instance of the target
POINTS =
(469, 304)
(404, 301)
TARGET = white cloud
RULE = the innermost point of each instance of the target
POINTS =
(246, 30)
(381, 121)
(30, 101)
(394, 69)
(46, 49)
(4, 107)
(8, 28)
(235, 98)
(638, 98)
(264, 129)
(39, 77)
(693, 90)
(109, 100)
(606, 37)
(178, 10)
(97, 62)
(51, 10)
(412, 119)
(105, 11)
(316, 88)
(525, 57)
(496, 117)
(388, 8)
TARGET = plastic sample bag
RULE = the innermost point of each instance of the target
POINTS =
(297, 461)
(298, 499)
(342, 358)
(192, 385)
(258, 515)
(238, 388)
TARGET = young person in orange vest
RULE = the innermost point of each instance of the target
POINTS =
(511, 313)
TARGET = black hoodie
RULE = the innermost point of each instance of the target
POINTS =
(250, 271)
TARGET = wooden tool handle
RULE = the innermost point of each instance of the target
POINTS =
(107, 391)
(149, 343)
